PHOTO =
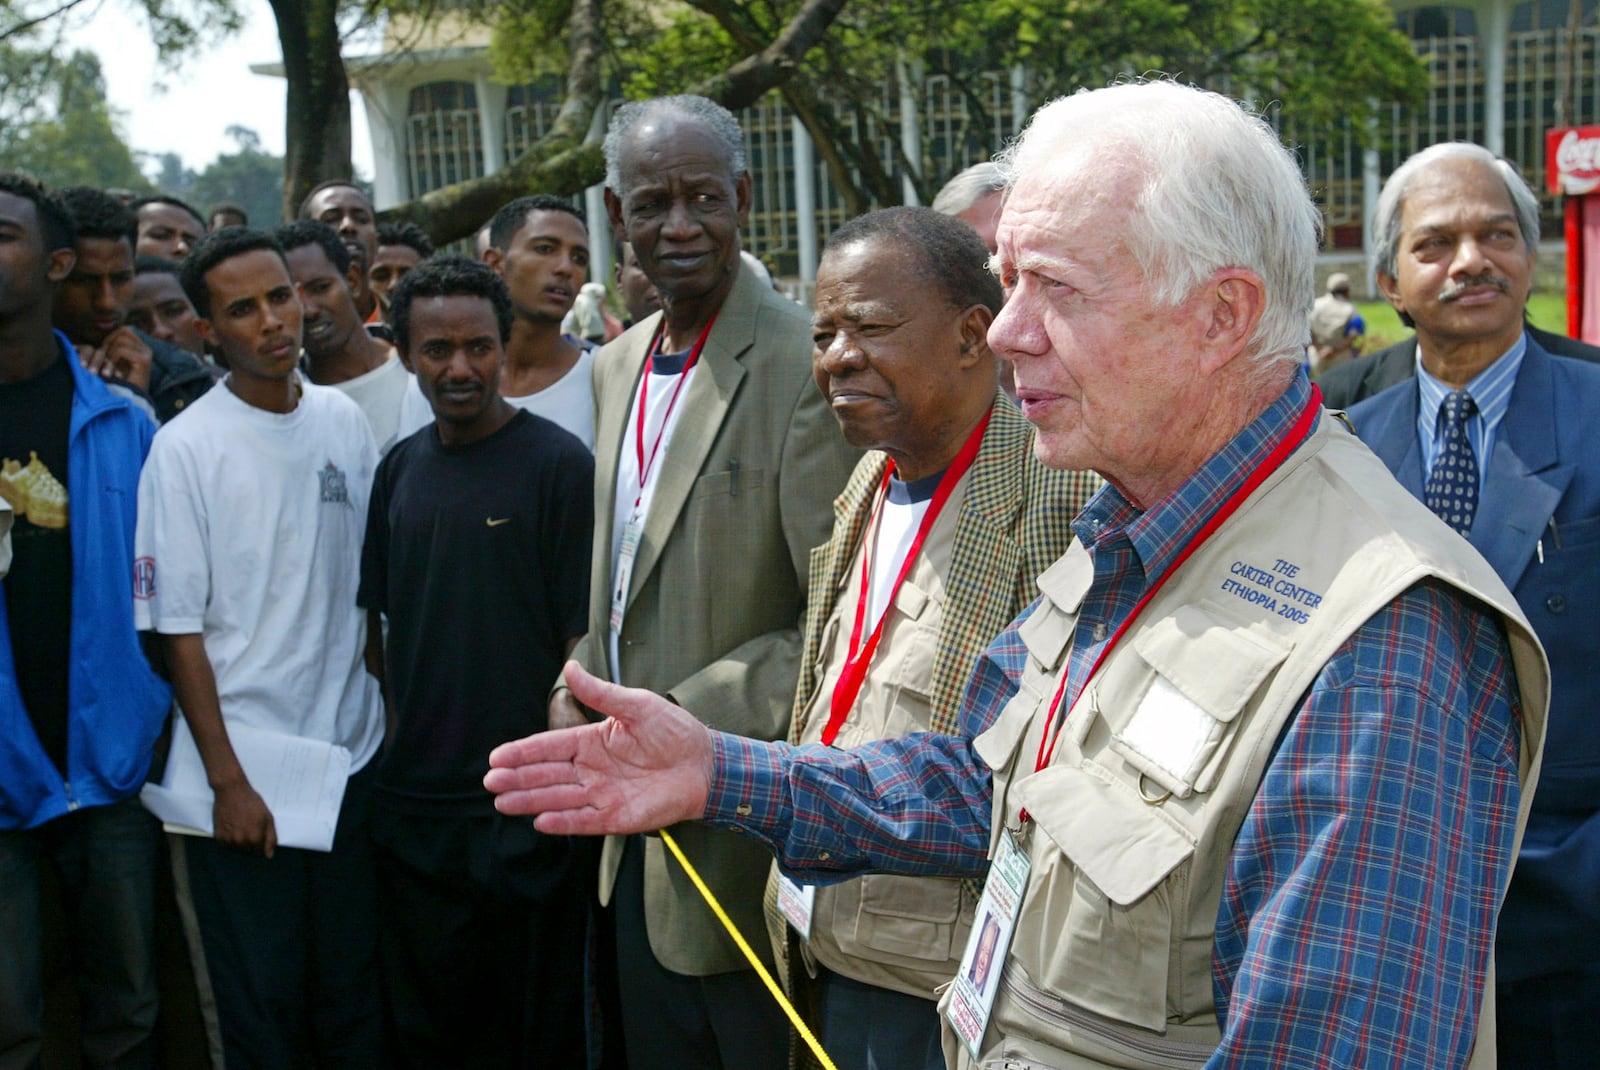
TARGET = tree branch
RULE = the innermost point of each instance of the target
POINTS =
(28, 24)
(748, 80)
(560, 161)
(825, 132)
(563, 161)
(826, 137)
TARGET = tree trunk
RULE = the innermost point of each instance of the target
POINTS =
(317, 120)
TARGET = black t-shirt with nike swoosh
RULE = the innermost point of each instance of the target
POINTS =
(479, 555)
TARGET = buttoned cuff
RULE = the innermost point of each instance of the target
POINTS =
(749, 785)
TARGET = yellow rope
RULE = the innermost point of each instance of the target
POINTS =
(766, 978)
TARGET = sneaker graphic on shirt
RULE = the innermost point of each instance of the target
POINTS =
(34, 492)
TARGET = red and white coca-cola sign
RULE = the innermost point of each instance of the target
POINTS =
(1572, 159)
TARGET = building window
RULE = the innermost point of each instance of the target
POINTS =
(444, 136)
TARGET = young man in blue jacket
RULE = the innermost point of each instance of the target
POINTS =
(80, 706)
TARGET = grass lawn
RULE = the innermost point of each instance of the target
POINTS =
(1546, 309)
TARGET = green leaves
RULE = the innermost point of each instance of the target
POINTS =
(55, 122)
(1321, 65)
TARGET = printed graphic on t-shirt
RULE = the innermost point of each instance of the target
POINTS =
(34, 492)
(144, 578)
(333, 484)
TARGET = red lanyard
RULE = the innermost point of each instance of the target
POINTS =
(1290, 442)
(644, 392)
(859, 655)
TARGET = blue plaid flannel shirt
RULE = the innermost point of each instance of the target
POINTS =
(1354, 928)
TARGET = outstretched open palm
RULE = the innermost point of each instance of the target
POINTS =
(646, 766)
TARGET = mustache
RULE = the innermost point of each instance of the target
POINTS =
(1461, 286)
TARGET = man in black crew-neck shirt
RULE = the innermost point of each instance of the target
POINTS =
(477, 549)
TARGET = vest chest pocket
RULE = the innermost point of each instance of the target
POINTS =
(1109, 878)
(1199, 673)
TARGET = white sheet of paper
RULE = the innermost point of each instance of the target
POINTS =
(301, 781)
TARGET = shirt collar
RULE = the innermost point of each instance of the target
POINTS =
(915, 491)
(1160, 533)
(1490, 388)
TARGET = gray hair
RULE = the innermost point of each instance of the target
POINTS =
(713, 116)
(969, 187)
(1219, 190)
(1391, 202)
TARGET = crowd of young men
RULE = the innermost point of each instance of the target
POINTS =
(1272, 823)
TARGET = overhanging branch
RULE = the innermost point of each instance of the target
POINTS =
(563, 161)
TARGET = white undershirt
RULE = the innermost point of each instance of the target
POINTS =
(381, 394)
(657, 421)
(567, 402)
(897, 528)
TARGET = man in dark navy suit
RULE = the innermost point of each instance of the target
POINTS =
(1490, 428)
(1374, 373)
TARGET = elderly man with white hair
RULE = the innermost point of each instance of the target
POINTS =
(1247, 779)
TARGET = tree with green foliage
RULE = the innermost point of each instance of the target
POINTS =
(1317, 63)
(1323, 61)
(249, 177)
(838, 64)
(56, 124)
(310, 34)
(568, 159)
(55, 121)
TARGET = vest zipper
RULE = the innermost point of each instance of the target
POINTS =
(1176, 1054)
(72, 800)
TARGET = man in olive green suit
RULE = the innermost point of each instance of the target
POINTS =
(716, 461)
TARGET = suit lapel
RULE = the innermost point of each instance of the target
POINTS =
(829, 564)
(984, 563)
(1524, 481)
(705, 403)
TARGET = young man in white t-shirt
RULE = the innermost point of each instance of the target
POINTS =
(339, 351)
(540, 247)
(251, 516)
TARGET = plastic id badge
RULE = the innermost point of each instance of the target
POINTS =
(632, 532)
(978, 979)
(796, 902)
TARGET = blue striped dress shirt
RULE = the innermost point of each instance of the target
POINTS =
(1490, 390)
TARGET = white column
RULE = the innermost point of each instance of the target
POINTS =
(805, 202)
(1494, 38)
(492, 122)
(910, 126)
(385, 103)
(1371, 186)
(1019, 98)
(594, 208)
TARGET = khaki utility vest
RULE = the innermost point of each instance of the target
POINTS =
(1160, 758)
(883, 929)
